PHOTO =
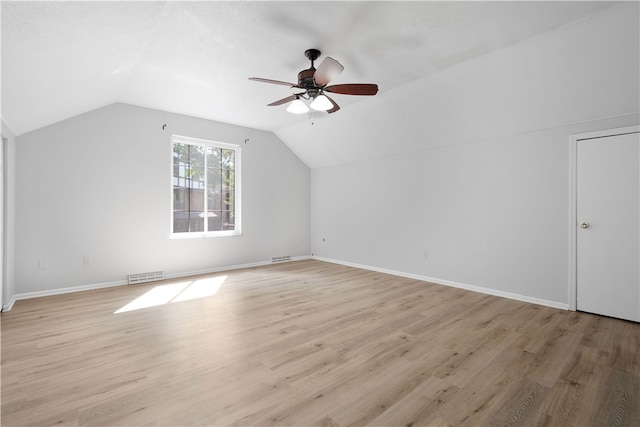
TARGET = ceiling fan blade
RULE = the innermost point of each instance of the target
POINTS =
(335, 107)
(275, 82)
(328, 70)
(282, 101)
(354, 89)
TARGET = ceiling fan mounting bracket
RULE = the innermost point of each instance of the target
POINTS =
(312, 54)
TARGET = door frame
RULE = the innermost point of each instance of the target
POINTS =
(573, 208)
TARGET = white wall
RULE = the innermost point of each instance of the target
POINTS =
(98, 186)
(480, 178)
(9, 217)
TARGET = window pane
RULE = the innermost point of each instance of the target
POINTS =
(188, 166)
(213, 200)
(179, 198)
(214, 221)
(186, 154)
(196, 200)
(196, 155)
(179, 153)
(213, 157)
(196, 178)
(214, 179)
(229, 178)
(196, 222)
(187, 204)
(227, 220)
(188, 191)
(228, 159)
(180, 222)
(228, 199)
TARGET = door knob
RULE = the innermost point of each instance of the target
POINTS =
(584, 225)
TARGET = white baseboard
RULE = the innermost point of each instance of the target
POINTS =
(480, 289)
(8, 306)
(227, 268)
(60, 291)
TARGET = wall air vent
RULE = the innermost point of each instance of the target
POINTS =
(280, 259)
(145, 277)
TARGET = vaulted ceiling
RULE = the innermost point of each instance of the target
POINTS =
(61, 59)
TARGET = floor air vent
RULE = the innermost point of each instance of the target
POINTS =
(280, 258)
(146, 277)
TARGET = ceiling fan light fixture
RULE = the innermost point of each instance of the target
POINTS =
(297, 107)
(321, 103)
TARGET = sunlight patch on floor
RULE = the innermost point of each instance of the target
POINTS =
(175, 292)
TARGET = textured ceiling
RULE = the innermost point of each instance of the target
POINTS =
(61, 59)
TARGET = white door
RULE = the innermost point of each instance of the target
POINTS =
(608, 220)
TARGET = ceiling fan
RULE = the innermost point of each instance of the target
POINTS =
(314, 82)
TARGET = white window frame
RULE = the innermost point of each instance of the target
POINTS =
(237, 231)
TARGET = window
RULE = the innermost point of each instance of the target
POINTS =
(206, 188)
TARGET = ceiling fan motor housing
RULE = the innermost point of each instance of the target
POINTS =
(305, 81)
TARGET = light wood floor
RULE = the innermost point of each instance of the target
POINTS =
(311, 343)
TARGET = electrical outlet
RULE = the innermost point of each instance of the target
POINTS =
(43, 264)
(425, 254)
(86, 261)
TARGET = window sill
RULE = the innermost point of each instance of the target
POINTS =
(180, 236)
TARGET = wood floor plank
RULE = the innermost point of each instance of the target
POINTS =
(419, 407)
(477, 401)
(618, 404)
(564, 404)
(520, 405)
(312, 343)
